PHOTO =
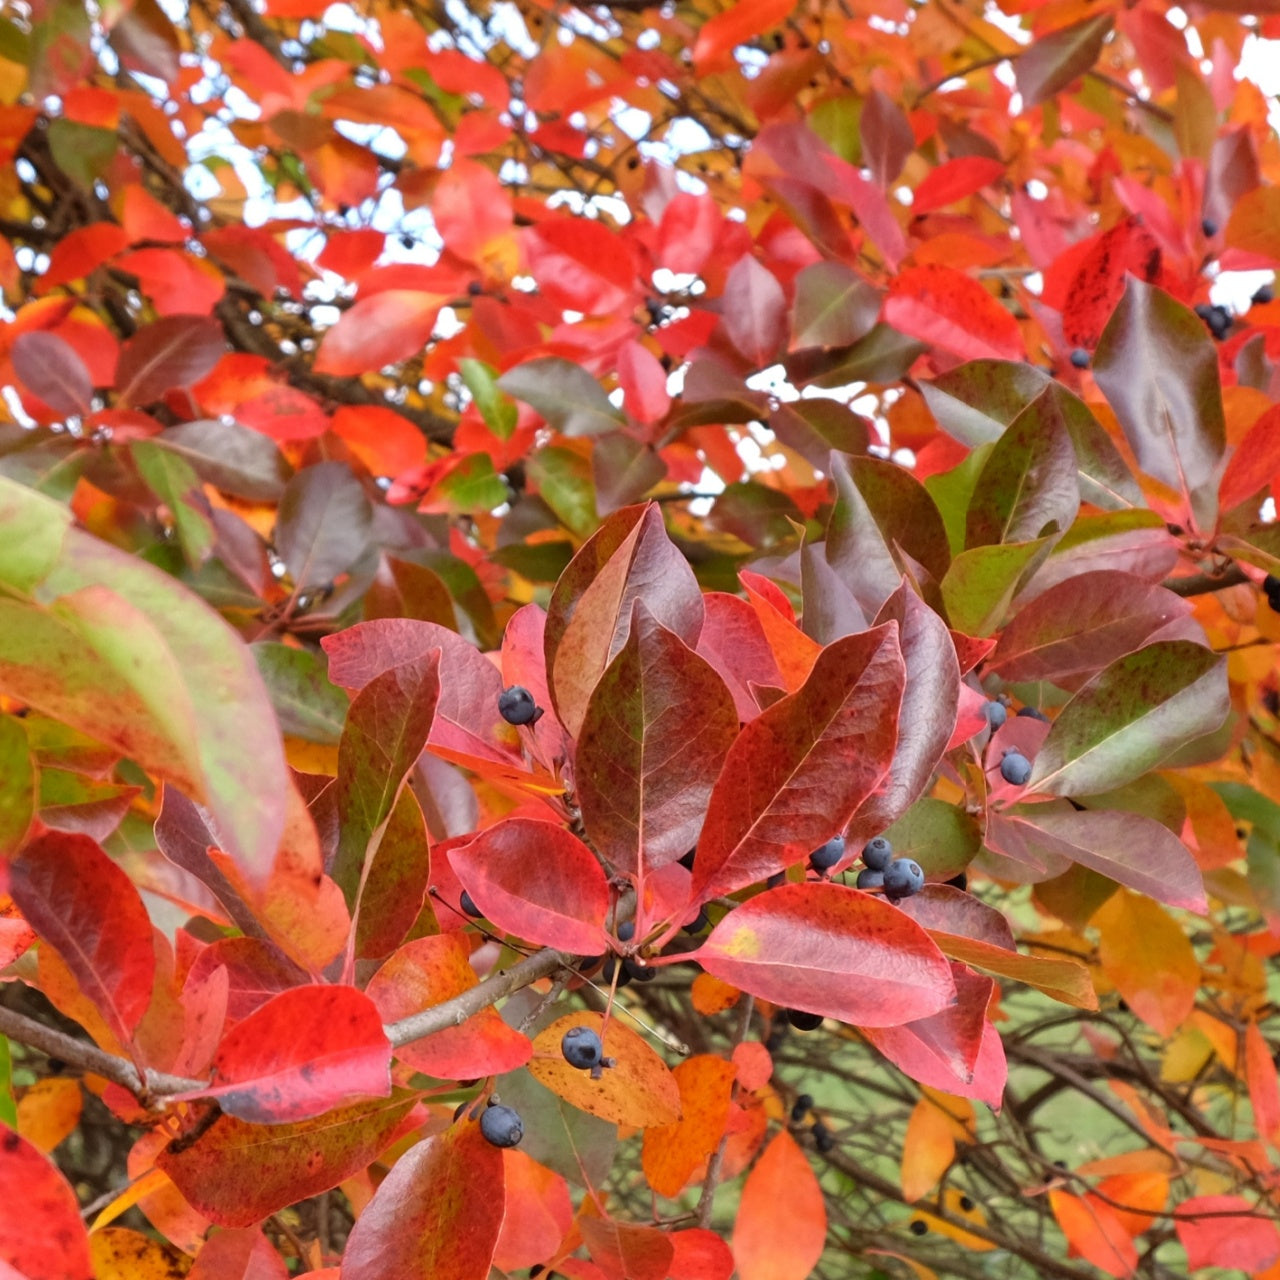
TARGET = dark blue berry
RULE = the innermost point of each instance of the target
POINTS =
(468, 905)
(610, 968)
(1015, 768)
(803, 1021)
(996, 713)
(516, 705)
(825, 856)
(902, 878)
(869, 878)
(1263, 295)
(502, 1126)
(639, 972)
(877, 853)
(1080, 358)
(582, 1048)
(822, 1138)
(1209, 227)
(801, 1107)
(626, 931)
(1033, 713)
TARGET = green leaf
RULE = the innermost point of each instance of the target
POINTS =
(563, 477)
(8, 1106)
(18, 784)
(174, 481)
(981, 583)
(499, 414)
(82, 151)
(1028, 487)
(386, 730)
(473, 486)
(565, 394)
(1132, 716)
(834, 307)
(941, 837)
(1158, 368)
(120, 651)
(307, 705)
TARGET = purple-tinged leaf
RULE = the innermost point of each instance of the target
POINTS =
(754, 311)
(1051, 62)
(51, 368)
(174, 352)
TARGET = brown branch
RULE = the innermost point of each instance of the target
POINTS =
(1199, 584)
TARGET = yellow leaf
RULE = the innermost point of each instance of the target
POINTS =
(49, 1111)
(120, 1254)
(927, 1150)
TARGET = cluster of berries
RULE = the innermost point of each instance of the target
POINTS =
(1217, 318)
(898, 877)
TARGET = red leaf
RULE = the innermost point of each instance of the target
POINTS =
(911, 1056)
(926, 719)
(698, 1254)
(733, 640)
(953, 180)
(886, 135)
(755, 310)
(948, 1040)
(831, 950)
(657, 729)
(300, 1055)
(256, 970)
(82, 251)
(797, 773)
(424, 973)
(378, 331)
(1099, 280)
(624, 1251)
(176, 352)
(1264, 1090)
(283, 413)
(80, 902)
(437, 1213)
(176, 283)
(244, 1254)
(538, 1213)
(944, 307)
(467, 718)
(1070, 632)
(781, 1225)
(46, 1240)
(739, 23)
(644, 383)
(537, 881)
(1244, 1242)
(582, 265)
(50, 368)
(237, 1173)
(470, 207)
(1255, 462)
(589, 616)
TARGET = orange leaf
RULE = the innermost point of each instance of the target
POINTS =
(735, 25)
(709, 995)
(782, 1222)
(49, 1111)
(927, 1150)
(1095, 1232)
(382, 439)
(673, 1152)
(754, 1063)
(1145, 1192)
(626, 1252)
(538, 1213)
(1264, 1093)
(1149, 959)
(639, 1089)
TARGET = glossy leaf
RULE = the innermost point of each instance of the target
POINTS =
(639, 1089)
(424, 973)
(1158, 368)
(781, 1224)
(79, 901)
(1131, 716)
(643, 777)
(437, 1213)
(833, 951)
(237, 1173)
(798, 772)
(537, 881)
